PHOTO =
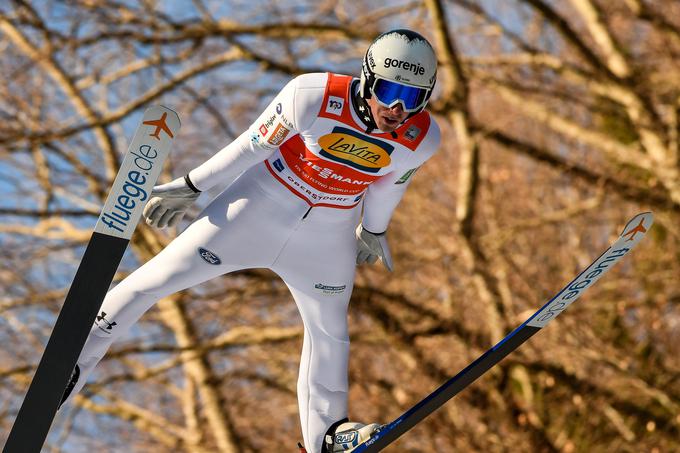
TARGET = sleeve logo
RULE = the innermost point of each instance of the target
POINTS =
(279, 135)
(405, 177)
(334, 105)
(412, 133)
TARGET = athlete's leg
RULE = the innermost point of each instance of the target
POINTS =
(318, 266)
(228, 235)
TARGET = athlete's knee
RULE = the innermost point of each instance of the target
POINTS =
(332, 320)
(336, 341)
(326, 401)
(96, 345)
(122, 307)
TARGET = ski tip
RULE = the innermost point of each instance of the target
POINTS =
(637, 227)
(163, 123)
(158, 111)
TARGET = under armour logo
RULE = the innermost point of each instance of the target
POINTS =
(104, 324)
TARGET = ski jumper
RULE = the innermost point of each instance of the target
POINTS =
(297, 181)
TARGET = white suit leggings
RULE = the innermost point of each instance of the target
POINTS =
(248, 227)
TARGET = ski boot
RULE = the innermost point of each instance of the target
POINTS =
(345, 436)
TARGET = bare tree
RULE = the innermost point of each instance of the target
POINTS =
(559, 119)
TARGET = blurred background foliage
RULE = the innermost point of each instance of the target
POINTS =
(560, 120)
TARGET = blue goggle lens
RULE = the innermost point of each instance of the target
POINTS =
(388, 92)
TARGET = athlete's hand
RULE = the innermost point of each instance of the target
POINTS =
(371, 246)
(169, 202)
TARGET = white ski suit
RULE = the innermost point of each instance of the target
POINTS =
(306, 169)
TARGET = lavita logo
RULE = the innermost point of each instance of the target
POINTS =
(209, 257)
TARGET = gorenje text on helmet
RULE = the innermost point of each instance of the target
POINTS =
(415, 68)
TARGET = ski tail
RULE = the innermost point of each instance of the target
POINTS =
(632, 234)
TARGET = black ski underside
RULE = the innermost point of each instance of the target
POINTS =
(95, 273)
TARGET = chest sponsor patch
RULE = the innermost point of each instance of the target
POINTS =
(412, 133)
(356, 150)
(320, 173)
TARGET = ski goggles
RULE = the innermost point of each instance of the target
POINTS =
(388, 94)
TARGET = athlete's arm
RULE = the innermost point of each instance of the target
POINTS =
(383, 196)
(292, 111)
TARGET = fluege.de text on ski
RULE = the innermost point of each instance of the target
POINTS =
(575, 288)
(117, 215)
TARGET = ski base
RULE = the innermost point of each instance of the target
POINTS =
(63, 348)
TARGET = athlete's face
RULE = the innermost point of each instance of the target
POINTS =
(387, 119)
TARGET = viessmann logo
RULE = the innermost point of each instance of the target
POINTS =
(356, 150)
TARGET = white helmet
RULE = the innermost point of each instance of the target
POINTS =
(400, 66)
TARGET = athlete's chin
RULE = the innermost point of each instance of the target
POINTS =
(388, 126)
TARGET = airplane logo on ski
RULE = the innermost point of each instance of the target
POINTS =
(161, 125)
(638, 229)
